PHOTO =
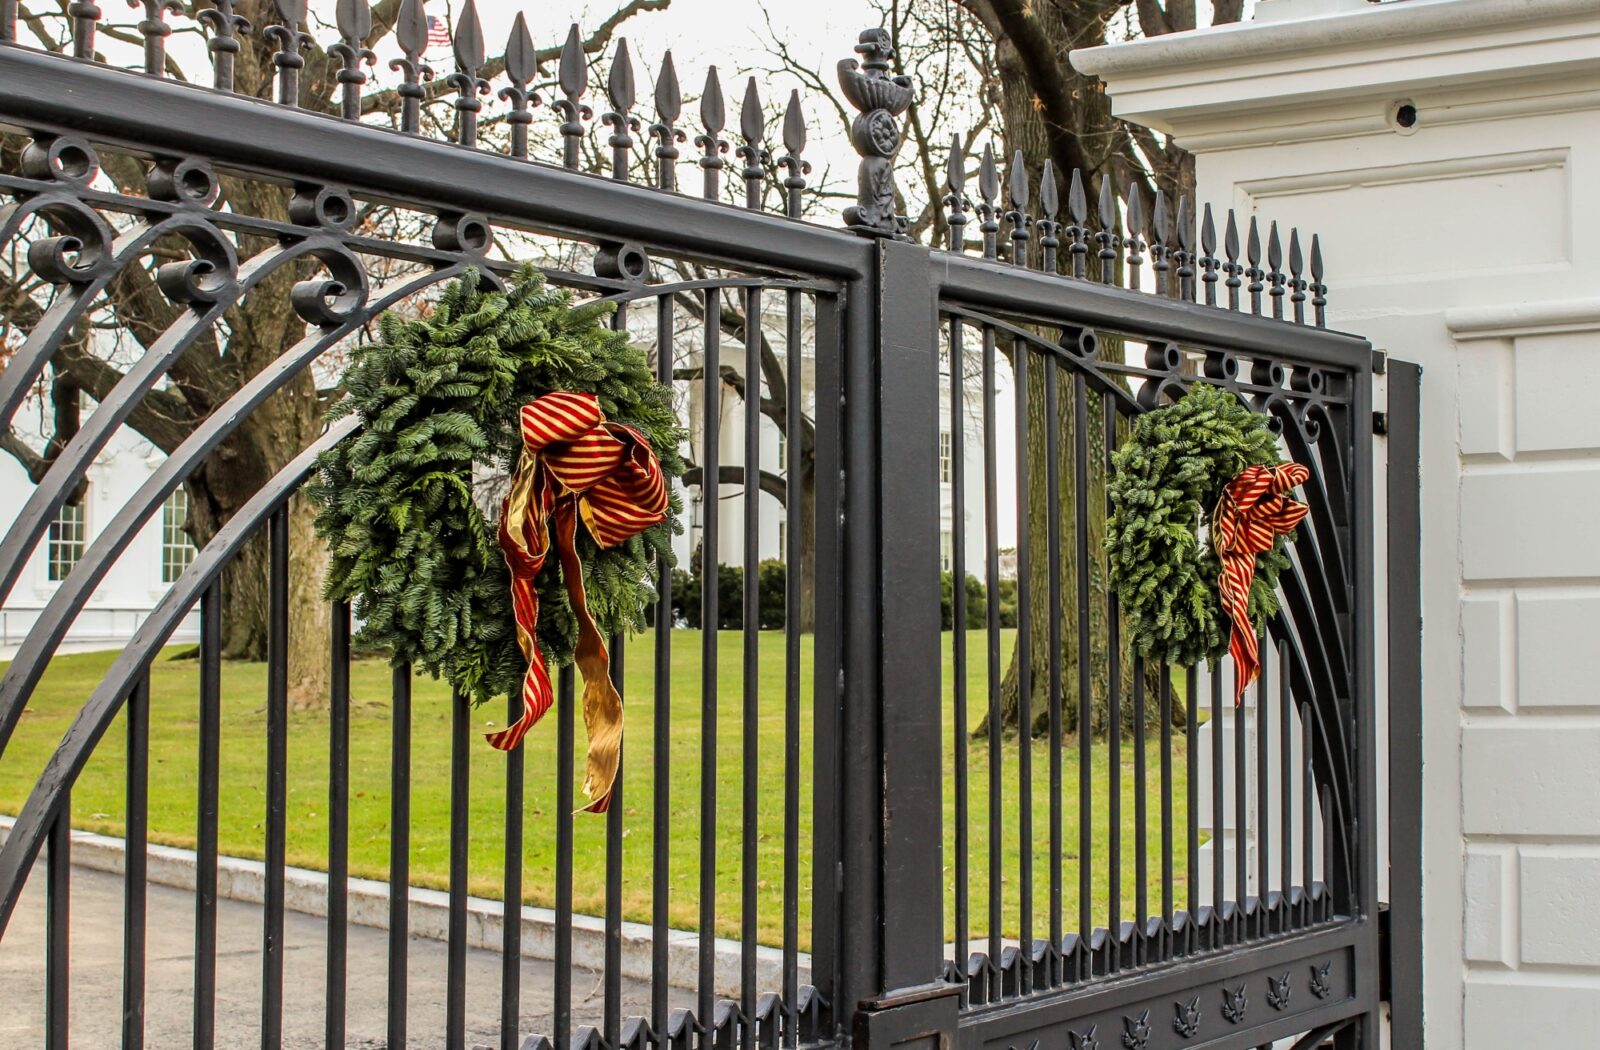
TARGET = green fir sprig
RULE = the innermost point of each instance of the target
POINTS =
(1166, 480)
(400, 500)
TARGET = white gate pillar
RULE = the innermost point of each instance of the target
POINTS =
(1448, 152)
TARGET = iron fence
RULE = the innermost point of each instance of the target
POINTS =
(118, 176)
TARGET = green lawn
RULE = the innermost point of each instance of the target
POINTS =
(98, 797)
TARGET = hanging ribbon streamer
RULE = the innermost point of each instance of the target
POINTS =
(573, 464)
(1252, 513)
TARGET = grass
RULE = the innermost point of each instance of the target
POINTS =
(99, 794)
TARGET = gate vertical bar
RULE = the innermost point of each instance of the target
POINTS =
(277, 777)
(1404, 959)
(208, 770)
(136, 859)
(338, 825)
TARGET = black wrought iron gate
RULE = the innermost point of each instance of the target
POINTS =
(1176, 875)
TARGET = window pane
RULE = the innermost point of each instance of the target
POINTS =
(176, 550)
(65, 543)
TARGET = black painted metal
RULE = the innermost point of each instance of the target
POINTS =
(1403, 938)
(877, 306)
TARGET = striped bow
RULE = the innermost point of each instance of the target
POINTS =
(1252, 513)
(574, 463)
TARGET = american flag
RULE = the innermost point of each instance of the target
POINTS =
(438, 32)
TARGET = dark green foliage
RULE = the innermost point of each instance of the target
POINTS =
(977, 602)
(439, 395)
(687, 590)
(1166, 482)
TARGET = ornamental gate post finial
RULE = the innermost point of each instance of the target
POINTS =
(875, 133)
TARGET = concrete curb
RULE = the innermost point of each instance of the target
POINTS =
(306, 891)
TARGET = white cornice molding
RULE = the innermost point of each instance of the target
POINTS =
(1507, 320)
(1318, 77)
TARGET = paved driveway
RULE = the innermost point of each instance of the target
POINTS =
(96, 993)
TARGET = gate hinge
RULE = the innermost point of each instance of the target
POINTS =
(923, 1018)
(1380, 423)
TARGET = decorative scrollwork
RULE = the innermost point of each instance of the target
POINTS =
(1085, 1040)
(875, 133)
(462, 232)
(61, 159)
(185, 180)
(335, 299)
(323, 206)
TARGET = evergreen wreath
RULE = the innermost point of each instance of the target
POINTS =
(401, 502)
(1166, 480)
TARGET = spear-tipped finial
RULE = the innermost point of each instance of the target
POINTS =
(522, 65)
(1078, 208)
(468, 47)
(1297, 282)
(752, 132)
(1017, 214)
(620, 93)
(955, 197)
(1319, 290)
(1135, 234)
(880, 99)
(1107, 237)
(1254, 270)
(1233, 268)
(1275, 277)
(411, 33)
(712, 145)
(1049, 206)
(289, 38)
(669, 107)
(226, 27)
(1185, 254)
(153, 28)
(989, 208)
(354, 21)
(572, 77)
(794, 142)
(1208, 261)
(1159, 250)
